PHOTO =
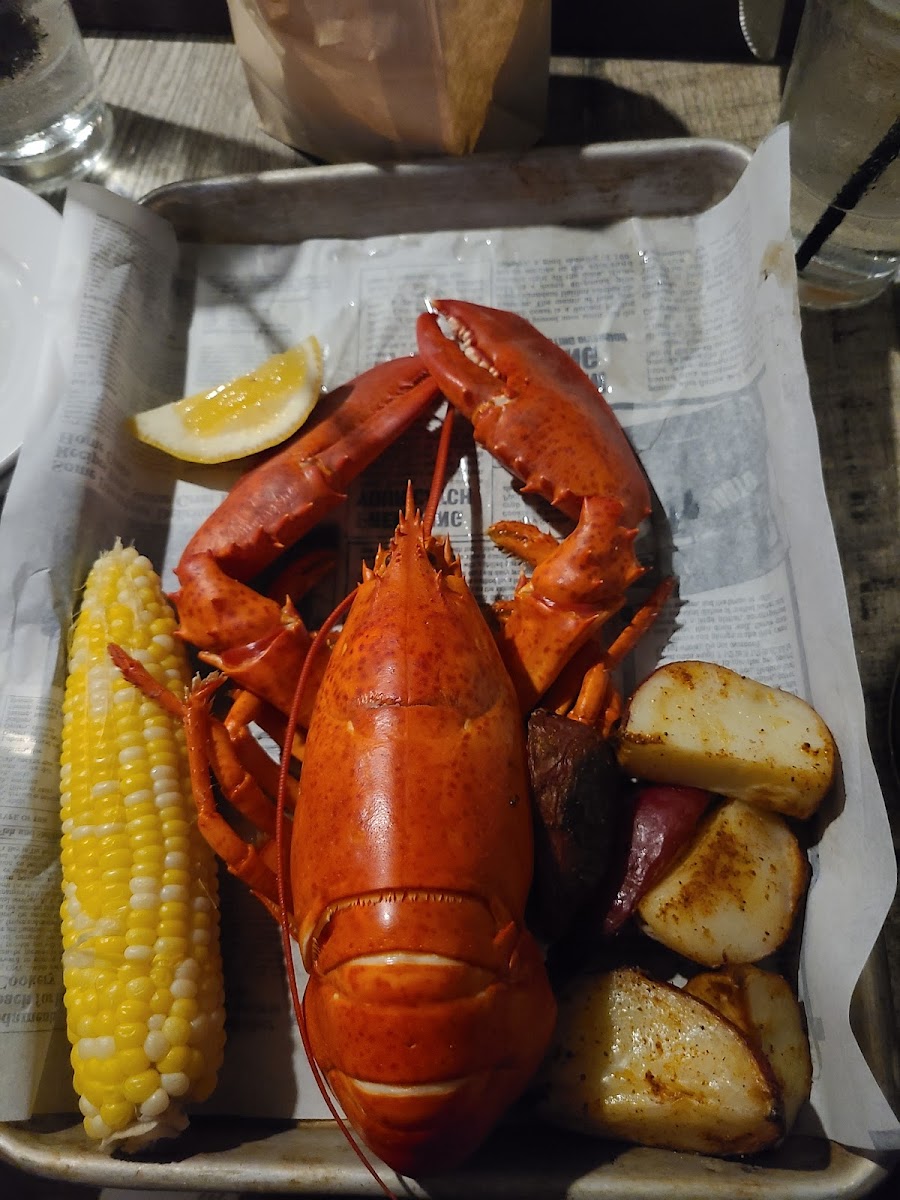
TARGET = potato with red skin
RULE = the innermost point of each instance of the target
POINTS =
(663, 820)
(713, 871)
(577, 788)
(732, 896)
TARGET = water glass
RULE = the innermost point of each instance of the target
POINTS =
(842, 101)
(53, 125)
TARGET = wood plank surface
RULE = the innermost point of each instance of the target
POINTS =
(693, 29)
(183, 110)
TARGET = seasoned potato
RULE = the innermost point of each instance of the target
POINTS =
(763, 1005)
(701, 725)
(636, 1059)
(663, 820)
(733, 895)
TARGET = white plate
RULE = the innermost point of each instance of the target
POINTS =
(29, 235)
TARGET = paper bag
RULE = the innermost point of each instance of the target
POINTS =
(349, 80)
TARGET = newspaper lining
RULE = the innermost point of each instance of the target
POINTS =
(690, 326)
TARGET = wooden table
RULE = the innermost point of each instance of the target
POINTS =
(182, 110)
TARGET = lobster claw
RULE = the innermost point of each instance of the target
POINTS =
(532, 407)
(536, 411)
(259, 640)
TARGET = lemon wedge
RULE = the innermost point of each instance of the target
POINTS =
(241, 417)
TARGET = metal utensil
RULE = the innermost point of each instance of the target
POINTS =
(761, 22)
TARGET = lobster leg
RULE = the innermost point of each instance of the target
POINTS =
(246, 775)
(256, 866)
(298, 578)
(247, 710)
(212, 754)
(257, 641)
(599, 701)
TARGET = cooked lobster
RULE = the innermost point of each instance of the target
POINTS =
(427, 1008)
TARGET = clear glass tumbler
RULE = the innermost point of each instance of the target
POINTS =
(842, 102)
(53, 125)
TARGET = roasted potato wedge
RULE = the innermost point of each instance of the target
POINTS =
(702, 725)
(644, 1061)
(733, 895)
(763, 1005)
(662, 820)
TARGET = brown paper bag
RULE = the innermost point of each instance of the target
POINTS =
(347, 80)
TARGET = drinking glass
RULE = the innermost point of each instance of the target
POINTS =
(53, 125)
(842, 102)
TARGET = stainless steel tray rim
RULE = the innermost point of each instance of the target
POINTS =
(641, 150)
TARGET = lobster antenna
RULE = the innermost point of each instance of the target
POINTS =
(440, 471)
(299, 1002)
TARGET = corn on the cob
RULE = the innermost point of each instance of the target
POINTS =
(141, 962)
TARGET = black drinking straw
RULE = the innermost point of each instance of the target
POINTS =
(850, 194)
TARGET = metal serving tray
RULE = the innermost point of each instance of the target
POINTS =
(589, 186)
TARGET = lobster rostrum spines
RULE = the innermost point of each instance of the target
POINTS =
(428, 1007)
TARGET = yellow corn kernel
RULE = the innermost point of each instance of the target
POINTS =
(133, 1060)
(176, 1059)
(117, 1115)
(134, 869)
(176, 1031)
(185, 1007)
(129, 1032)
(140, 1087)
